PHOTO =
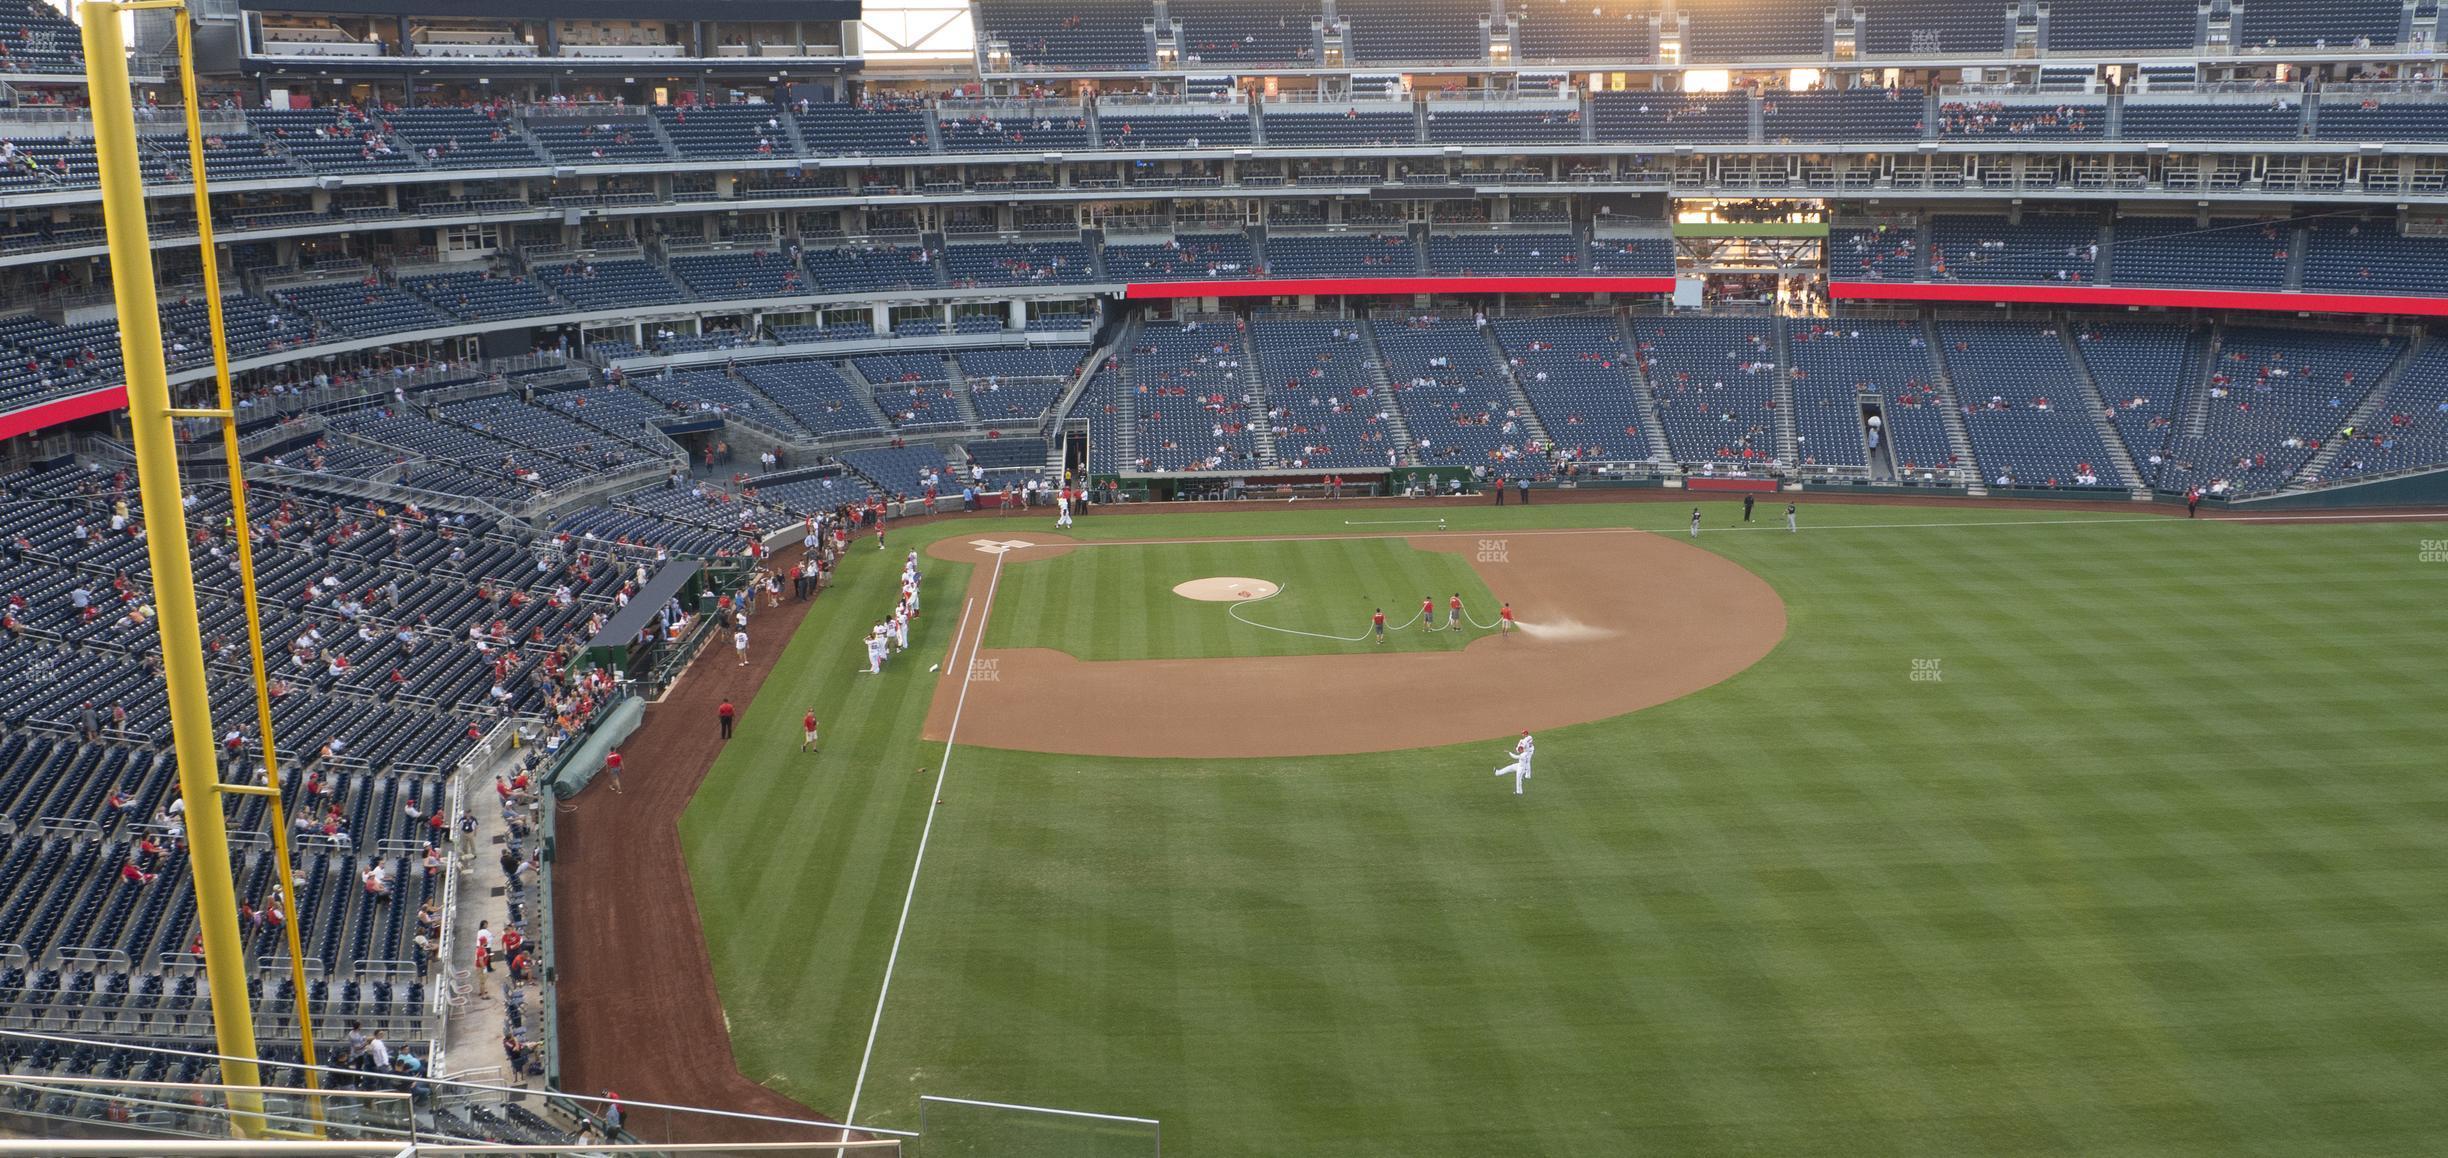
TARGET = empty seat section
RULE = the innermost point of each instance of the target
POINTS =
(1668, 117)
(1503, 255)
(461, 138)
(1323, 408)
(1918, 28)
(2144, 371)
(731, 132)
(1276, 32)
(1846, 115)
(2021, 407)
(1577, 375)
(1759, 30)
(1072, 36)
(597, 140)
(879, 128)
(1128, 128)
(1019, 263)
(1455, 397)
(1544, 125)
(2079, 27)
(1187, 257)
(1561, 31)
(2372, 257)
(1350, 126)
(609, 283)
(2273, 397)
(737, 274)
(2175, 251)
(1841, 359)
(473, 296)
(1007, 131)
(1190, 398)
(1415, 31)
(871, 268)
(2318, 23)
(2273, 120)
(1342, 255)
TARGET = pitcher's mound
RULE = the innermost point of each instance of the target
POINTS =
(1224, 589)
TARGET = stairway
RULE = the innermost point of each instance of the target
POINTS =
(2196, 418)
(2118, 452)
(2360, 417)
(1126, 421)
(1881, 457)
(1384, 390)
(2297, 239)
(957, 384)
(1521, 398)
(1959, 439)
(850, 374)
(1253, 388)
(1638, 374)
(1788, 445)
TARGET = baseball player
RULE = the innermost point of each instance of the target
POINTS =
(1520, 767)
(1695, 527)
(1504, 617)
(1790, 528)
(1062, 505)
(875, 651)
(1453, 612)
(900, 625)
(1377, 621)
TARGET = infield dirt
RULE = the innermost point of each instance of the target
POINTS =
(1612, 622)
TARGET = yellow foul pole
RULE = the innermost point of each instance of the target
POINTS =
(150, 418)
(209, 256)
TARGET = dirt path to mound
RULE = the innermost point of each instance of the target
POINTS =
(1611, 623)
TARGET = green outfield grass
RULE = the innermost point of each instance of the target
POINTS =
(1117, 602)
(2146, 861)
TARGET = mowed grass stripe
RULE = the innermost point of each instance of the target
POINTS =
(2150, 869)
(769, 818)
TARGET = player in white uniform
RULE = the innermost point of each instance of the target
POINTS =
(1062, 505)
(875, 651)
(1520, 767)
(900, 626)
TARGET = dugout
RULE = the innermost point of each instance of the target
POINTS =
(624, 644)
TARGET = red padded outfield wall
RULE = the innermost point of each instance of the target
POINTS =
(2058, 294)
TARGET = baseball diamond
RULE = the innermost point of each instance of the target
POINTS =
(1826, 798)
(1184, 579)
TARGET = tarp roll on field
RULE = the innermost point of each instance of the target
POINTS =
(579, 765)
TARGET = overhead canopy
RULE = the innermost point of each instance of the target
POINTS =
(675, 577)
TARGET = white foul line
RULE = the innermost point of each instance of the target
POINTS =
(936, 801)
